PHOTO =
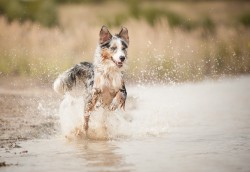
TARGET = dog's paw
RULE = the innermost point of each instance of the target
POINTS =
(122, 105)
(113, 106)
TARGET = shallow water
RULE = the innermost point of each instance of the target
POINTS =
(188, 127)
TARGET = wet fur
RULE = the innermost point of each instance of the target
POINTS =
(104, 79)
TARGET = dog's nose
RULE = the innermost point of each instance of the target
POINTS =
(122, 58)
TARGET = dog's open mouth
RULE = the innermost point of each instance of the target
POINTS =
(118, 64)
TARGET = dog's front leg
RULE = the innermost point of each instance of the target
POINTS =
(89, 106)
(119, 99)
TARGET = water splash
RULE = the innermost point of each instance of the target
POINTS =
(142, 117)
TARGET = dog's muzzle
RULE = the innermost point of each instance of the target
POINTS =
(118, 64)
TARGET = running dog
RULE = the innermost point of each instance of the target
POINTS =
(104, 79)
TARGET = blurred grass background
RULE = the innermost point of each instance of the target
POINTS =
(170, 41)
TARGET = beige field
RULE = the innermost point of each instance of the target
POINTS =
(157, 53)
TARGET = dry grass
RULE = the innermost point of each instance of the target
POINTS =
(158, 53)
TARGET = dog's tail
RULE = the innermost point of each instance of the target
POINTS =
(80, 73)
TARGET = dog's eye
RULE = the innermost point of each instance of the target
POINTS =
(124, 48)
(113, 48)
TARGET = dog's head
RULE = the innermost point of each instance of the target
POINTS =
(114, 48)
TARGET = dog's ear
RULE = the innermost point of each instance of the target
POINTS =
(124, 34)
(104, 35)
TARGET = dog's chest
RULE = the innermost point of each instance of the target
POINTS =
(106, 96)
(108, 84)
(108, 80)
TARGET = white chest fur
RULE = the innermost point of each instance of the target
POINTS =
(111, 79)
(109, 84)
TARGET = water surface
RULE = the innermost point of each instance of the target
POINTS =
(188, 127)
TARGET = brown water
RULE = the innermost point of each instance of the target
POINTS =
(188, 127)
